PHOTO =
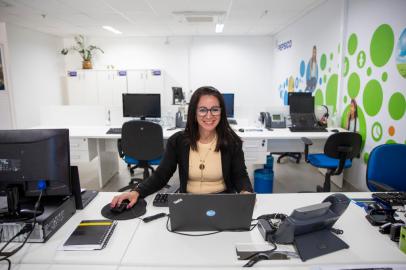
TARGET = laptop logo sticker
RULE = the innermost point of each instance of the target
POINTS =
(211, 213)
(177, 201)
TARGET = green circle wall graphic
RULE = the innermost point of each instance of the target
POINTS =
(323, 61)
(390, 141)
(397, 106)
(318, 97)
(366, 157)
(352, 44)
(376, 131)
(331, 91)
(369, 71)
(361, 59)
(372, 98)
(361, 123)
(384, 76)
(345, 99)
(382, 44)
(346, 66)
(353, 85)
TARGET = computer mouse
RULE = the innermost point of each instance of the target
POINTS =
(119, 208)
(241, 130)
(335, 130)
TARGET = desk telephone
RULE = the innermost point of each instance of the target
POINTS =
(272, 120)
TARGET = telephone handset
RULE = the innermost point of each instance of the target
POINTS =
(273, 120)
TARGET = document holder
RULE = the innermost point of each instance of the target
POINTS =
(318, 243)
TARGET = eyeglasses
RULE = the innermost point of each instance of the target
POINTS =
(215, 111)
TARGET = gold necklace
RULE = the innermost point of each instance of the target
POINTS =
(203, 160)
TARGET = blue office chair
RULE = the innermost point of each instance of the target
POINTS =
(141, 146)
(386, 170)
(339, 150)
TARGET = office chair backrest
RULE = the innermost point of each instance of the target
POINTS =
(387, 165)
(142, 140)
(338, 143)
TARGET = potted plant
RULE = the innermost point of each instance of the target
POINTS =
(86, 52)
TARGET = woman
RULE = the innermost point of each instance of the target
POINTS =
(208, 153)
(352, 116)
(312, 73)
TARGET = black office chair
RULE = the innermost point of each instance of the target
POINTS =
(339, 150)
(297, 156)
(140, 146)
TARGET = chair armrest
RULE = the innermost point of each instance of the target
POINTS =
(307, 142)
(380, 186)
(120, 148)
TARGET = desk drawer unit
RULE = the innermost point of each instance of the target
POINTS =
(255, 151)
(82, 149)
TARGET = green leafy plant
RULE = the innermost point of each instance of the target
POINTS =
(86, 52)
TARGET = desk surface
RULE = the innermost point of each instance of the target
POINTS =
(150, 245)
(100, 132)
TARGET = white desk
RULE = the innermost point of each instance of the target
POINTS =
(139, 245)
(86, 143)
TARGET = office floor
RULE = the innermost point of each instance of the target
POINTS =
(288, 177)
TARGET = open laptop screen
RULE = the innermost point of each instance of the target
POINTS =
(210, 212)
(301, 103)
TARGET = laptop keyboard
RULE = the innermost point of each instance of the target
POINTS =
(160, 200)
(391, 198)
(114, 131)
(306, 129)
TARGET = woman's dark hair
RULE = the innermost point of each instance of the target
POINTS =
(225, 134)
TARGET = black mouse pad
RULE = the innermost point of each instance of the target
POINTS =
(137, 210)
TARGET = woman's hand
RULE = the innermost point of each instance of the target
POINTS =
(132, 196)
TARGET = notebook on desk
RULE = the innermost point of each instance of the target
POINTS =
(210, 212)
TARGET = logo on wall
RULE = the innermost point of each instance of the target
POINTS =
(285, 45)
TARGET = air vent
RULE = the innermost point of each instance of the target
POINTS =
(199, 19)
(199, 16)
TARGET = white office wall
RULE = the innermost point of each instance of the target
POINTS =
(293, 49)
(36, 69)
(232, 64)
(6, 104)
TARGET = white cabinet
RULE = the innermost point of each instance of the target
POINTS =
(111, 85)
(145, 81)
(255, 150)
(82, 149)
(82, 87)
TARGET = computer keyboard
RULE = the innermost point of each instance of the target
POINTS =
(88, 196)
(391, 198)
(232, 121)
(114, 131)
(160, 200)
(300, 129)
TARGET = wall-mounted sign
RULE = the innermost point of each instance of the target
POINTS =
(285, 45)
(72, 74)
(122, 73)
(156, 72)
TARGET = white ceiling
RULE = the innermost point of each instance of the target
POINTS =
(154, 17)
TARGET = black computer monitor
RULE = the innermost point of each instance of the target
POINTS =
(142, 105)
(28, 157)
(301, 102)
(229, 102)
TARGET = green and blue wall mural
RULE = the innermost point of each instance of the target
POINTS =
(360, 74)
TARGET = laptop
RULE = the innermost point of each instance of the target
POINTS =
(302, 112)
(210, 212)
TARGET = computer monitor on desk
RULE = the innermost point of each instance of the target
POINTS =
(229, 103)
(300, 102)
(142, 105)
(29, 158)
